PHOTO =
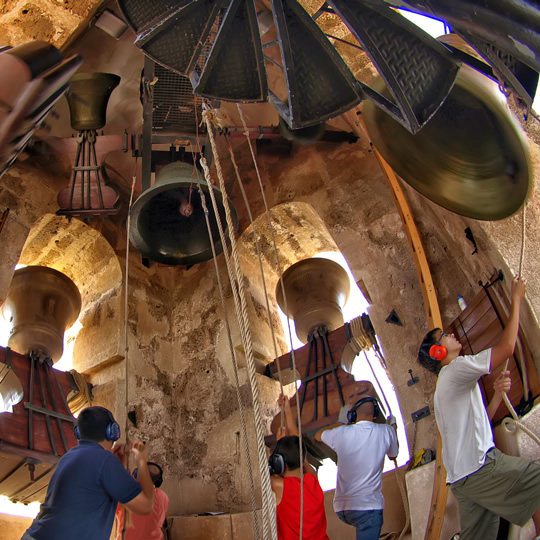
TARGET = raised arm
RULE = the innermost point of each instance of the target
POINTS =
(143, 503)
(507, 342)
(503, 383)
(291, 427)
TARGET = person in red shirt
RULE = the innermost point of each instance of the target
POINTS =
(285, 480)
(145, 527)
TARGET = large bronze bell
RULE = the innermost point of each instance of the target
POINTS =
(41, 304)
(470, 158)
(168, 225)
(88, 97)
(316, 291)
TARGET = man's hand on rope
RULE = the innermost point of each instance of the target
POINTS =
(138, 450)
(290, 427)
(519, 288)
(121, 453)
(502, 383)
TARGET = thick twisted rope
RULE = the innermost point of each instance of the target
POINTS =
(240, 302)
(126, 297)
(235, 367)
(259, 256)
(284, 295)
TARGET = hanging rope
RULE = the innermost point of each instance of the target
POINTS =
(232, 351)
(126, 344)
(240, 302)
(282, 285)
(81, 398)
(259, 256)
(378, 384)
(404, 499)
(235, 366)
(515, 419)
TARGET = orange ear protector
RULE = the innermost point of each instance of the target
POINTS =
(438, 352)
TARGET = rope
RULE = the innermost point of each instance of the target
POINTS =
(404, 499)
(126, 345)
(235, 365)
(79, 399)
(282, 285)
(520, 425)
(523, 224)
(259, 256)
(240, 302)
(378, 384)
(256, 240)
(360, 340)
(228, 329)
(515, 419)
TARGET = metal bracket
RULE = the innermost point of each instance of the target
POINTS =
(420, 413)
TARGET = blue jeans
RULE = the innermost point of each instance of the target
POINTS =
(368, 523)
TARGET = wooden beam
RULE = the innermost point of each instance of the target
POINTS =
(440, 489)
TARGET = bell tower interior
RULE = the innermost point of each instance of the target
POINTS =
(177, 325)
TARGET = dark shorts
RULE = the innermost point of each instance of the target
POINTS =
(505, 486)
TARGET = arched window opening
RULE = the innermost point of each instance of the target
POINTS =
(366, 367)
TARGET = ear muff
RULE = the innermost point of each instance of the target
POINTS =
(112, 433)
(352, 415)
(276, 463)
(438, 352)
(159, 480)
(113, 429)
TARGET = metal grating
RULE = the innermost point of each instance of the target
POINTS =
(174, 104)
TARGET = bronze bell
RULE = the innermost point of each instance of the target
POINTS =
(41, 304)
(88, 97)
(470, 158)
(168, 224)
(316, 291)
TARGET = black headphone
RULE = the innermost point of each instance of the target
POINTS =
(159, 480)
(351, 413)
(276, 461)
(112, 433)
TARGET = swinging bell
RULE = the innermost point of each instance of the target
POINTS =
(168, 224)
(470, 158)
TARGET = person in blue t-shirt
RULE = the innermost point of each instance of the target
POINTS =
(89, 482)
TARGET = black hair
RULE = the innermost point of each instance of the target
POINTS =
(431, 338)
(156, 473)
(92, 423)
(289, 448)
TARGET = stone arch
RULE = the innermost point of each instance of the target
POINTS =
(84, 255)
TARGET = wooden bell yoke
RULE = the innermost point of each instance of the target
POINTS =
(38, 430)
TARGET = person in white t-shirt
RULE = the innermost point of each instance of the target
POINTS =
(487, 483)
(361, 446)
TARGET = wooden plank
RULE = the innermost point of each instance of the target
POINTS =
(19, 479)
(440, 489)
(32, 490)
